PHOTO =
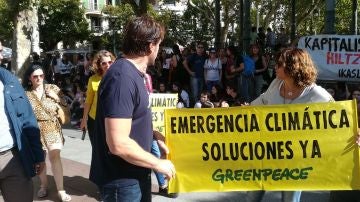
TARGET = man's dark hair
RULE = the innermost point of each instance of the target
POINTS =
(205, 92)
(139, 33)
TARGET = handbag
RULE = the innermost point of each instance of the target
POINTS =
(63, 114)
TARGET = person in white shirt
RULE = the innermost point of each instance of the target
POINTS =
(294, 83)
(212, 70)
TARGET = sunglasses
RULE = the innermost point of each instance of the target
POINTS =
(200, 46)
(106, 63)
(38, 76)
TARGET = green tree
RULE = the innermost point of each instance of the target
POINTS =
(118, 16)
(343, 16)
(6, 22)
(62, 20)
(140, 7)
(198, 22)
(277, 14)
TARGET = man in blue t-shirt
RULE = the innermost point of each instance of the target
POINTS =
(194, 65)
(121, 159)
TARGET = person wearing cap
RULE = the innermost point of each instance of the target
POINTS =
(212, 70)
(19, 137)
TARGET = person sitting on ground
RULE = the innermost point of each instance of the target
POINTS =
(162, 88)
(216, 95)
(204, 97)
(183, 96)
(233, 98)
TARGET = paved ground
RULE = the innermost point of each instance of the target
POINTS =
(76, 158)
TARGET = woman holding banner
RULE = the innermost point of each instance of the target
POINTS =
(294, 83)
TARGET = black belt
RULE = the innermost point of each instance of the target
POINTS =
(7, 151)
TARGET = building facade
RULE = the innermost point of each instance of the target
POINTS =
(98, 21)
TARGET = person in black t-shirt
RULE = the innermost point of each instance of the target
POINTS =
(121, 159)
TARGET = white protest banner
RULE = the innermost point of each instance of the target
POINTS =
(337, 57)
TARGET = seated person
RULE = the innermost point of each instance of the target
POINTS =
(204, 96)
(233, 98)
(183, 96)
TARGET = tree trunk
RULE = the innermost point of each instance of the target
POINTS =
(224, 34)
(25, 38)
(143, 7)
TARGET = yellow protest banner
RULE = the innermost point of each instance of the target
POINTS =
(277, 147)
(159, 102)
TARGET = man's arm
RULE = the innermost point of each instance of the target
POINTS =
(84, 119)
(186, 66)
(237, 69)
(120, 144)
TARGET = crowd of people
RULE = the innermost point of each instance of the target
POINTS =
(193, 70)
(109, 98)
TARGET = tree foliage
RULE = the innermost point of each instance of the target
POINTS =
(6, 22)
(343, 16)
(141, 8)
(61, 20)
(198, 22)
(120, 13)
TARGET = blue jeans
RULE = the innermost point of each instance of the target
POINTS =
(155, 150)
(258, 85)
(246, 87)
(287, 196)
(121, 191)
(197, 85)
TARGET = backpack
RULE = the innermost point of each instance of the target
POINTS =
(249, 66)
